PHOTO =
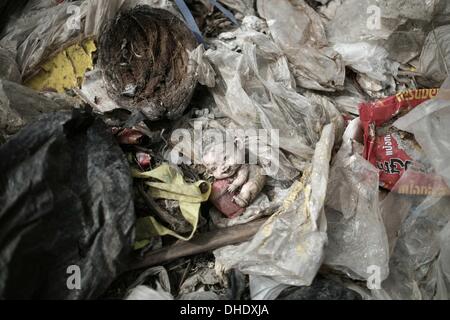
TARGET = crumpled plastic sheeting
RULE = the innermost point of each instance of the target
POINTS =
(369, 59)
(289, 247)
(298, 30)
(357, 237)
(435, 57)
(8, 67)
(419, 266)
(254, 88)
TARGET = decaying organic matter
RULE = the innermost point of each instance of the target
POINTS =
(144, 58)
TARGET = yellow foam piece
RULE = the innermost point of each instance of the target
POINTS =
(66, 70)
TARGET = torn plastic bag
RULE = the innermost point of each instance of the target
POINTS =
(66, 202)
(254, 88)
(435, 57)
(419, 265)
(171, 186)
(315, 65)
(289, 246)
(357, 237)
(20, 105)
(8, 67)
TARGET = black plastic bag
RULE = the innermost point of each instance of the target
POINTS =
(65, 200)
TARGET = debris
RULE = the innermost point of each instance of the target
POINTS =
(200, 244)
(278, 106)
(162, 86)
(170, 185)
(299, 152)
(289, 246)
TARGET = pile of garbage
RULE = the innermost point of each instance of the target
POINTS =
(229, 149)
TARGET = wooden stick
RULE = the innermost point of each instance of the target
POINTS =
(200, 244)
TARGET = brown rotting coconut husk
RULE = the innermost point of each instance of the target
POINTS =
(144, 57)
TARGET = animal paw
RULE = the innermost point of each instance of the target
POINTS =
(240, 202)
(232, 188)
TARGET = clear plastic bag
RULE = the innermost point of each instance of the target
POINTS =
(357, 237)
(254, 87)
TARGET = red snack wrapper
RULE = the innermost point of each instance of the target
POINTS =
(393, 151)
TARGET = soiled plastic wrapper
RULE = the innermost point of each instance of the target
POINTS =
(435, 57)
(357, 237)
(289, 247)
(254, 87)
(298, 30)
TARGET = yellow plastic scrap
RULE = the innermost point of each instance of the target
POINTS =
(66, 70)
(171, 187)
